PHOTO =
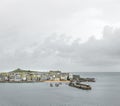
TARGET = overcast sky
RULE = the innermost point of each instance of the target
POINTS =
(67, 35)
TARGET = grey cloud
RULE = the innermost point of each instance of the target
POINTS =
(31, 35)
(55, 53)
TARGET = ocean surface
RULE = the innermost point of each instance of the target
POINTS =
(105, 92)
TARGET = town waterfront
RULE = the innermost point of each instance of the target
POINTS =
(105, 92)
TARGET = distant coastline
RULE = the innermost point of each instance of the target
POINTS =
(20, 75)
(27, 76)
(57, 77)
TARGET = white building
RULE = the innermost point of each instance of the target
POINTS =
(70, 76)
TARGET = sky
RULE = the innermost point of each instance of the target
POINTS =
(67, 35)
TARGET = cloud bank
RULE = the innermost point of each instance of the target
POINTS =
(58, 52)
(60, 34)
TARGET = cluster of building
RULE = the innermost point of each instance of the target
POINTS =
(19, 75)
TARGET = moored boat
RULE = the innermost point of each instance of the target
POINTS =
(51, 85)
(56, 84)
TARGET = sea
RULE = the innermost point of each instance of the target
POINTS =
(105, 92)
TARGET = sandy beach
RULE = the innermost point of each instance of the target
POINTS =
(57, 81)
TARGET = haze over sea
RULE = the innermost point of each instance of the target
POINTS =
(105, 92)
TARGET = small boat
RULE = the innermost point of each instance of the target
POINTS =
(60, 83)
(57, 85)
(51, 85)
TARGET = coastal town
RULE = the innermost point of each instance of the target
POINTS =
(20, 75)
(27, 76)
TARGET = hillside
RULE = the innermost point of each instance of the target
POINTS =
(20, 70)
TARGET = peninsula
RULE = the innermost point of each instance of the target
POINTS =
(28, 76)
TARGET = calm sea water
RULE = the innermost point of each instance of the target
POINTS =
(105, 92)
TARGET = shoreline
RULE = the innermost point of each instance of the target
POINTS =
(57, 81)
(49, 81)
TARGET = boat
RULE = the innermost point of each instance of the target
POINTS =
(56, 84)
(51, 85)
(60, 83)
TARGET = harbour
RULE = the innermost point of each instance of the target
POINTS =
(41, 94)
